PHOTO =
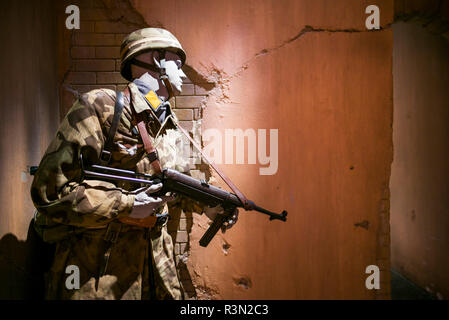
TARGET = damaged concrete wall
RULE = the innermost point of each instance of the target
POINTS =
(29, 120)
(420, 175)
(312, 71)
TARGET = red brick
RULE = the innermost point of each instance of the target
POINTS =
(88, 3)
(172, 102)
(197, 174)
(83, 52)
(113, 27)
(188, 89)
(184, 114)
(196, 114)
(189, 101)
(199, 90)
(94, 65)
(107, 52)
(100, 14)
(119, 38)
(81, 78)
(186, 80)
(186, 125)
(87, 88)
(118, 64)
(110, 77)
(182, 225)
(94, 39)
(87, 26)
(182, 236)
(121, 87)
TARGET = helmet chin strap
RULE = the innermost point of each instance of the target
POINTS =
(159, 68)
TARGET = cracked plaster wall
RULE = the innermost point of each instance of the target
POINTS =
(311, 70)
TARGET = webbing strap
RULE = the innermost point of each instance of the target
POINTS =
(118, 109)
(147, 144)
(105, 155)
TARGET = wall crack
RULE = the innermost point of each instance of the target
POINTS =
(307, 29)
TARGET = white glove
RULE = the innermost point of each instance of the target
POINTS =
(211, 213)
(145, 204)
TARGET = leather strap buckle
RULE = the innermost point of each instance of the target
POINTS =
(153, 156)
(105, 156)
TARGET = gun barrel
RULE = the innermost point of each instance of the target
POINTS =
(273, 216)
(92, 174)
(177, 182)
(201, 190)
(122, 171)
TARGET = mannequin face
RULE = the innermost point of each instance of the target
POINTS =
(172, 64)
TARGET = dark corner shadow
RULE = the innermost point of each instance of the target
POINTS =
(23, 265)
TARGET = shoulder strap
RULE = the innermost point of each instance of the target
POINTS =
(246, 204)
(138, 119)
(105, 155)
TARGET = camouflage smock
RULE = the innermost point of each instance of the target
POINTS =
(80, 215)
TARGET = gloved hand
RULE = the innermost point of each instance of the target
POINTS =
(211, 213)
(145, 203)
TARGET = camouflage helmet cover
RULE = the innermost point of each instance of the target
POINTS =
(144, 40)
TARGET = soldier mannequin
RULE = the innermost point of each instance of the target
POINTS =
(84, 217)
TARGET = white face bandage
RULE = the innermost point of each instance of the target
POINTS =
(150, 81)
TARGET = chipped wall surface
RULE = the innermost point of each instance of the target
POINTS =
(420, 175)
(311, 70)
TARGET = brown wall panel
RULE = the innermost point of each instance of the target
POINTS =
(29, 119)
(420, 173)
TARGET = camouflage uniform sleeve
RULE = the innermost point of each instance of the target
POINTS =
(59, 192)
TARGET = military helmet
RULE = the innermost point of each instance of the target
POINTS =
(147, 39)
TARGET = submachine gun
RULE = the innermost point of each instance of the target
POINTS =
(179, 183)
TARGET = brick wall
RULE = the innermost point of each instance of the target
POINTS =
(91, 59)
